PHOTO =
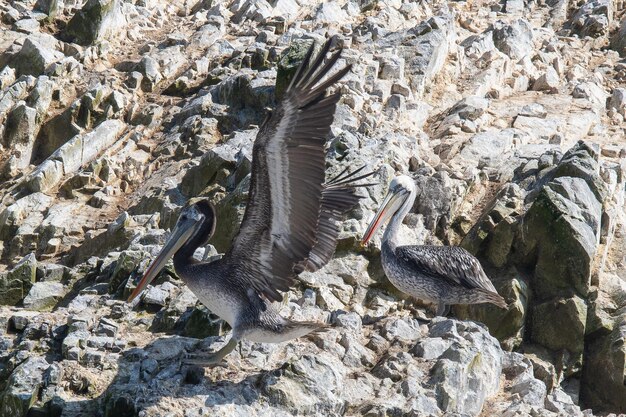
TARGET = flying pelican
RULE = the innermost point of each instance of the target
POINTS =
(440, 274)
(290, 222)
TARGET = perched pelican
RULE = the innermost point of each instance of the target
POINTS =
(440, 274)
(290, 223)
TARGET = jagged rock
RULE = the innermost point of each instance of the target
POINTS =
(23, 387)
(593, 18)
(515, 39)
(467, 373)
(43, 296)
(572, 227)
(77, 152)
(34, 58)
(19, 136)
(604, 370)
(49, 7)
(592, 92)
(560, 325)
(424, 49)
(548, 81)
(289, 62)
(617, 101)
(15, 284)
(96, 20)
(618, 41)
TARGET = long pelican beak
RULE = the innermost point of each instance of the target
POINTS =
(180, 235)
(391, 204)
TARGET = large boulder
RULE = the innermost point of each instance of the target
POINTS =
(561, 230)
(424, 48)
(97, 20)
(34, 58)
(515, 39)
(15, 284)
(19, 136)
(289, 62)
(23, 387)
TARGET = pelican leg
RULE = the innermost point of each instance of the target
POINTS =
(211, 359)
(443, 310)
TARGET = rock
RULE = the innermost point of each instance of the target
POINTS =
(424, 49)
(618, 41)
(289, 63)
(23, 387)
(560, 325)
(514, 40)
(77, 152)
(468, 373)
(604, 367)
(548, 81)
(15, 284)
(592, 92)
(149, 69)
(617, 101)
(43, 296)
(593, 18)
(34, 58)
(533, 110)
(571, 231)
(19, 136)
(96, 20)
(49, 7)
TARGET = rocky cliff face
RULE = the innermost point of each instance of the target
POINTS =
(508, 114)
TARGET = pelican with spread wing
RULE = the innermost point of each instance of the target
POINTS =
(291, 220)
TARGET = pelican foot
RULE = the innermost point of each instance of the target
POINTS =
(210, 359)
(207, 360)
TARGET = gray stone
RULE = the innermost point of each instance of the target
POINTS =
(617, 101)
(22, 387)
(593, 18)
(95, 21)
(618, 41)
(43, 296)
(74, 154)
(431, 348)
(49, 7)
(560, 324)
(592, 92)
(34, 58)
(424, 49)
(533, 110)
(15, 284)
(19, 136)
(469, 372)
(548, 81)
(515, 39)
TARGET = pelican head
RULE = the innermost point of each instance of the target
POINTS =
(194, 228)
(399, 199)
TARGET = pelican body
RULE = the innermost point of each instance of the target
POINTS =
(440, 274)
(291, 219)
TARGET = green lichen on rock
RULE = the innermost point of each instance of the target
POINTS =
(603, 384)
(89, 23)
(15, 284)
(560, 324)
(202, 324)
(564, 246)
(289, 63)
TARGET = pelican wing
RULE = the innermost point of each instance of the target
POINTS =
(447, 263)
(287, 189)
